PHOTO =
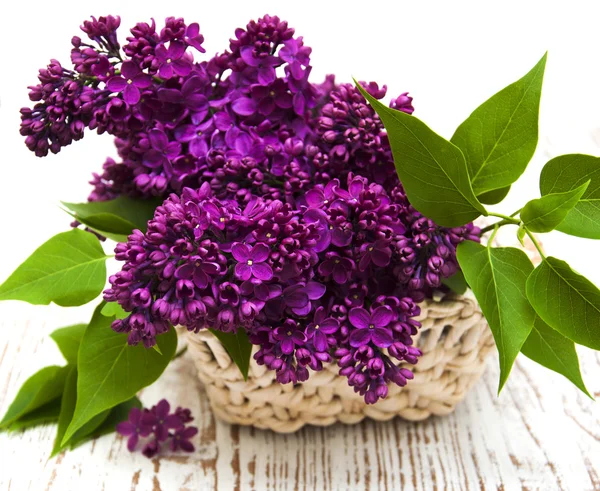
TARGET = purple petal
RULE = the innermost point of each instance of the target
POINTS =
(262, 271)
(359, 318)
(248, 57)
(240, 252)
(314, 290)
(165, 71)
(382, 337)
(185, 133)
(340, 274)
(181, 67)
(381, 257)
(315, 198)
(129, 69)
(381, 316)
(243, 271)
(287, 346)
(186, 446)
(326, 267)
(200, 278)
(126, 428)
(176, 50)
(320, 340)
(299, 103)
(341, 238)
(260, 252)
(189, 432)
(132, 442)
(244, 106)
(158, 139)
(222, 121)
(185, 271)
(116, 84)
(172, 421)
(162, 409)
(297, 299)
(266, 75)
(153, 159)
(131, 95)
(329, 326)
(169, 95)
(142, 80)
(198, 147)
(360, 337)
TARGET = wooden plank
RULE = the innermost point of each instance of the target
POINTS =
(539, 434)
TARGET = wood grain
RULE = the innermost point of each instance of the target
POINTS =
(541, 433)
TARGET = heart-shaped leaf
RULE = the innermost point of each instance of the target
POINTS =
(546, 213)
(68, 340)
(69, 270)
(566, 301)
(499, 138)
(498, 277)
(238, 346)
(111, 372)
(552, 350)
(38, 390)
(566, 173)
(432, 170)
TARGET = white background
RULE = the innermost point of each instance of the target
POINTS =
(450, 55)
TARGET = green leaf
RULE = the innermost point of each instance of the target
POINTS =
(238, 346)
(521, 232)
(546, 213)
(38, 390)
(69, 269)
(494, 197)
(48, 413)
(118, 217)
(566, 301)
(498, 277)
(113, 309)
(552, 350)
(500, 136)
(111, 372)
(456, 282)
(566, 173)
(432, 170)
(67, 406)
(68, 340)
(116, 415)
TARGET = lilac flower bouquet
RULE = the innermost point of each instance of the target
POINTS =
(280, 212)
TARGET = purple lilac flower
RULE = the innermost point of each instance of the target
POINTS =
(139, 424)
(251, 261)
(161, 426)
(283, 214)
(129, 82)
(371, 327)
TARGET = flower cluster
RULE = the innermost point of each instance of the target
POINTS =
(161, 426)
(283, 216)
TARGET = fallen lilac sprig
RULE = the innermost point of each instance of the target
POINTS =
(160, 426)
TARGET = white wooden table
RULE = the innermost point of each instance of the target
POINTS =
(537, 435)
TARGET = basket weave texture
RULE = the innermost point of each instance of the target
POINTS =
(454, 338)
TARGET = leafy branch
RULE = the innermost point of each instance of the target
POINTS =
(540, 311)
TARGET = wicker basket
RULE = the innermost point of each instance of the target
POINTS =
(454, 338)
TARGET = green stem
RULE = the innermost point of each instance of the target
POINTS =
(535, 243)
(506, 220)
(491, 240)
